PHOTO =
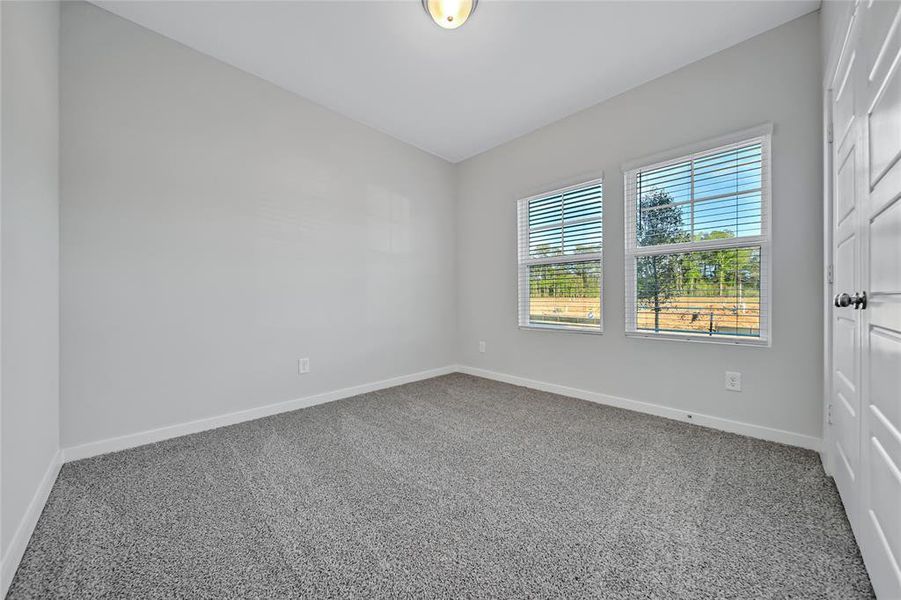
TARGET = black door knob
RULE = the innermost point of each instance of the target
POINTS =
(858, 300)
(843, 300)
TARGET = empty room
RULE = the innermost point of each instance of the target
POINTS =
(450, 299)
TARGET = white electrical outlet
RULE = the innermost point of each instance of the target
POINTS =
(303, 365)
(482, 347)
(733, 381)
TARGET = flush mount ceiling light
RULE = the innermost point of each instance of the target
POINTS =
(450, 14)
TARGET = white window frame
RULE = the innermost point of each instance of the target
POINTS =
(761, 134)
(524, 261)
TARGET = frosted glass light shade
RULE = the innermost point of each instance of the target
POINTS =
(450, 14)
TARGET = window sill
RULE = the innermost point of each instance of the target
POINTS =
(701, 338)
(562, 329)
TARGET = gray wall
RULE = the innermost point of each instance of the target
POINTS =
(773, 77)
(29, 370)
(216, 228)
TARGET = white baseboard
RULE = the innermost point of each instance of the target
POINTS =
(171, 431)
(164, 433)
(825, 459)
(756, 431)
(26, 527)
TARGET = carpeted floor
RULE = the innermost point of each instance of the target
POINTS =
(452, 487)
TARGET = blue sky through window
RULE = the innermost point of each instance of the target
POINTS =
(716, 193)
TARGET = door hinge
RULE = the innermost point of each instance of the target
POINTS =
(829, 274)
(829, 134)
(829, 414)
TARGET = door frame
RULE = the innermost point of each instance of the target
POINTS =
(826, 455)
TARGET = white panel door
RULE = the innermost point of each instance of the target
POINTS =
(880, 85)
(865, 440)
(845, 401)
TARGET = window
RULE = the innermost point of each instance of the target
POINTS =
(698, 243)
(560, 244)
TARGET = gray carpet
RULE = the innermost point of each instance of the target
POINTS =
(452, 487)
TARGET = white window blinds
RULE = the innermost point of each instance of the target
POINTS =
(697, 244)
(560, 257)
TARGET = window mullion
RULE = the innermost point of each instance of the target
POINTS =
(562, 259)
(698, 246)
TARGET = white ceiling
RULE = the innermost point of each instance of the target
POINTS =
(513, 67)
